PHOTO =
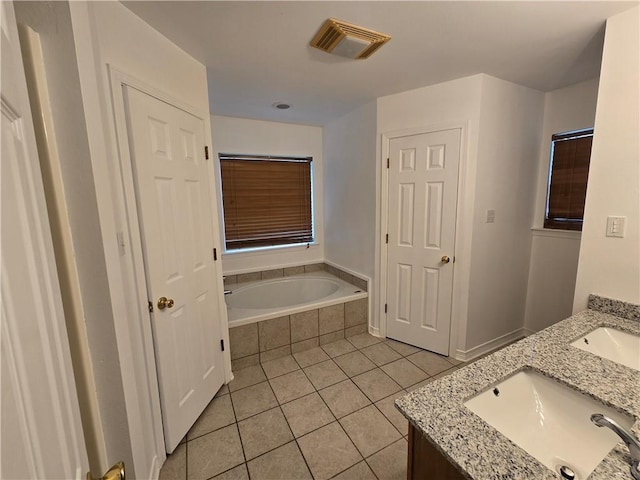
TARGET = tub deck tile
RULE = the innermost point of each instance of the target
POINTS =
(300, 347)
(274, 354)
(243, 341)
(304, 325)
(331, 319)
(274, 333)
(331, 337)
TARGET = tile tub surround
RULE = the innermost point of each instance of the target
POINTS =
(282, 336)
(323, 413)
(477, 449)
(234, 279)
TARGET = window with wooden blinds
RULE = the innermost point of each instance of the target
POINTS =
(569, 172)
(266, 200)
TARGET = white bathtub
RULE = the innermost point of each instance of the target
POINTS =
(264, 299)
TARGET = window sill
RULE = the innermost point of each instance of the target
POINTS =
(270, 250)
(556, 233)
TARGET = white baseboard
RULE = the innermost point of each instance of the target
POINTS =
(375, 331)
(528, 331)
(475, 352)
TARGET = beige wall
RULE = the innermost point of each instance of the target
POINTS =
(502, 127)
(350, 213)
(554, 254)
(611, 266)
(107, 33)
(350, 185)
(510, 131)
(451, 103)
(240, 135)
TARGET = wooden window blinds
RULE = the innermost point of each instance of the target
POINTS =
(266, 200)
(568, 180)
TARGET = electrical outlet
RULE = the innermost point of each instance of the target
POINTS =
(491, 216)
(615, 226)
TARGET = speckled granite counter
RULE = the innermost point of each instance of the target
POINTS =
(478, 450)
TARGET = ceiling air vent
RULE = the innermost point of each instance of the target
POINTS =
(348, 40)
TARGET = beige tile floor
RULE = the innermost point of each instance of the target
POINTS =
(322, 413)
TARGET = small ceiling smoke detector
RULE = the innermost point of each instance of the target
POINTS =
(348, 40)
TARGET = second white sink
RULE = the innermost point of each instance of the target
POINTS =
(549, 420)
(612, 344)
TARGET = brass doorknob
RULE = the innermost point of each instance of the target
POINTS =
(445, 259)
(114, 473)
(164, 302)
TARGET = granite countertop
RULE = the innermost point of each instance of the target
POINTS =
(478, 450)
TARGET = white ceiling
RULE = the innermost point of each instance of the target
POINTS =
(257, 53)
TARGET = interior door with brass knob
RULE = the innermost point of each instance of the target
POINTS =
(175, 213)
(422, 197)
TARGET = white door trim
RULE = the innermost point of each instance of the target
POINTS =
(132, 262)
(118, 79)
(40, 415)
(33, 57)
(460, 268)
(137, 368)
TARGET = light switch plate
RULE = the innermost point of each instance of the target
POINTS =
(615, 226)
(491, 216)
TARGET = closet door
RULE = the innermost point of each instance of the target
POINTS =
(423, 186)
(175, 210)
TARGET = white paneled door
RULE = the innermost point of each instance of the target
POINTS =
(41, 430)
(175, 212)
(422, 186)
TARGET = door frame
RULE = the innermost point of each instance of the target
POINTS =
(460, 266)
(52, 391)
(136, 297)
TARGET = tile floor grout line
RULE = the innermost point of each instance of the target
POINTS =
(342, 471)
(402, 391)
(372, 470)
(295, 439)
(355, 411)
(304, 459)
(275, 448)
(317, 392)
(238, 430)
(387, 418)
(383, 416)
(187, 439)
(352, 442)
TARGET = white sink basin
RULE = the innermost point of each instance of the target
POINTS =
(549, 421)
(612, 344)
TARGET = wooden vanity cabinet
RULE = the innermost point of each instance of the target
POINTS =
(425, 462)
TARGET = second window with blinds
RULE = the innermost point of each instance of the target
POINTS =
(568, 175)
(267, 200)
